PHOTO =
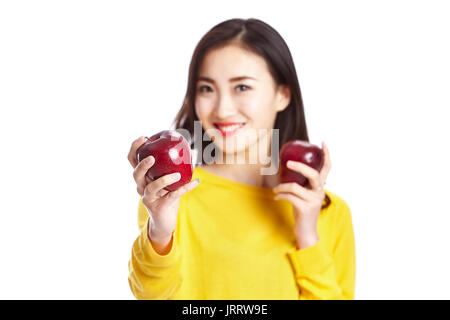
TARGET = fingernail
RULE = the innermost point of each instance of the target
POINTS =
(176, 176)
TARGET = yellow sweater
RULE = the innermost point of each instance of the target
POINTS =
(233, 241)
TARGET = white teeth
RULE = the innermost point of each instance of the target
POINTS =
(229, 128)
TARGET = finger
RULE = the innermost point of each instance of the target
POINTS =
(132, 153)
(295, 189)
(161, 193)
(139, 173)
(291, 198)
(182, 190)
(154, 187)
(327, 164)
(311, 174)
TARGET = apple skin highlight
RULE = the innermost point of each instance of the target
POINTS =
(172, 154)
(301, 151)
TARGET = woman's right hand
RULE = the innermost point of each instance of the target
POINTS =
(161, 204)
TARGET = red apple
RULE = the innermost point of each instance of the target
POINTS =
(301, 151)
(172, 153)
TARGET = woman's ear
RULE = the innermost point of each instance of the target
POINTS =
(283, 97)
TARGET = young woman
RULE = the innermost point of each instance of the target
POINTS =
(239, 234)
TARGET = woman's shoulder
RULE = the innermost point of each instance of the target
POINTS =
(338, 203)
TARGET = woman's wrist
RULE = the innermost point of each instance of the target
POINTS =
(161, 243)
(305, 241)
(307, 236)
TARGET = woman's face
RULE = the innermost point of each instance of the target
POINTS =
(236, 96)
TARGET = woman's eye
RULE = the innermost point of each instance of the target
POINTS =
(243, 86)
(204, 87)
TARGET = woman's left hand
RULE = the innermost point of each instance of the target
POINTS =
(306, 202)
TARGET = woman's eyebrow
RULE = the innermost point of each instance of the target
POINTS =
(231, 80)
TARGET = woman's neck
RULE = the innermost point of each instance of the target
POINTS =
(246, 172)
(243, 173)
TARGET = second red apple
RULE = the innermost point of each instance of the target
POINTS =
(301, 151)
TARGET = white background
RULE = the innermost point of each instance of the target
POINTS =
(80, 80)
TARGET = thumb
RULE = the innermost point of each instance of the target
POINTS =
(182, 190)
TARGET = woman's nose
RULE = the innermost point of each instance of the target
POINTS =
(225, 107)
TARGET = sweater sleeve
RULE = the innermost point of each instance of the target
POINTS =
(324, 276)
(151, 275)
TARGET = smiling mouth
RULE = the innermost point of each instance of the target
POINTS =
(228, 129)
